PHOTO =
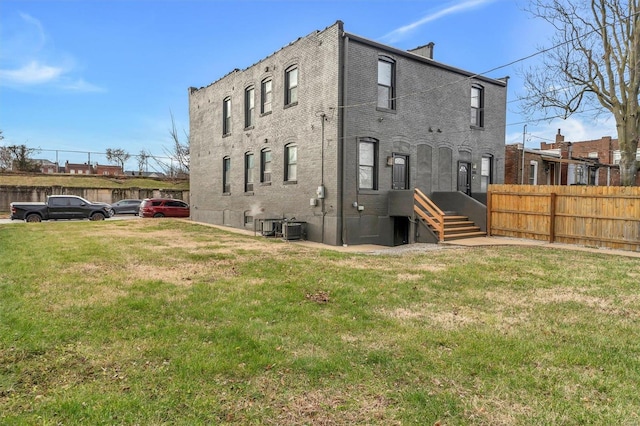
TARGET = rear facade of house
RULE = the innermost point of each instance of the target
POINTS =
(337, 132)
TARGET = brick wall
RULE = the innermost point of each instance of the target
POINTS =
(430, 124)
(317, 58)
(608, 174)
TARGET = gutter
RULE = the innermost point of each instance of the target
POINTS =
(343, 131)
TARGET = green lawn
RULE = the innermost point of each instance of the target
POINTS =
(167, 322)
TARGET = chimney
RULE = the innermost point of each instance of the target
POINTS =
(559, 137)
(424, 51)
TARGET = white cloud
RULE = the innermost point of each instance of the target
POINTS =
(33, 22)
(574, 129)
(30, 59)
(586, 128)
(81, 86)
(405, 30)
(30, 74)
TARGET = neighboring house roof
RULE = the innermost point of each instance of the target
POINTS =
(144, 174)
(44, 162)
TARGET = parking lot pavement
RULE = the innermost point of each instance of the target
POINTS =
(4, 221)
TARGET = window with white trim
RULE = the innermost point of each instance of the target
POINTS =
(477, 105)
(533, 173)
(226, 175)
(386, 83)
(486, 172)
(616, 156)
(291, 85)
(266, 95)
(249, 106)
(291, 163)
(248, 218)
(265, 166)
(248, 172)
(368, 164)
(226, 116)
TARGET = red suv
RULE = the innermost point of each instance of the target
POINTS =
(163, 207)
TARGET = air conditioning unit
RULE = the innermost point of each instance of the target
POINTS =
(271, 227)
(292, 230)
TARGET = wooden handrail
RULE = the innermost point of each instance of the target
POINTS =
(429, 212)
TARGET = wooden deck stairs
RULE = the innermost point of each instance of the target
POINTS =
(446, 226)
(457, 227)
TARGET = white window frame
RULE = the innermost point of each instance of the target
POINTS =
(533, 172)
(486, 168)
(266, 158)
(249, 107)
(291, 79)
(226, 175)
(386, 87)
(226, 116)
(266, 95)
(249, 168)
(291, 163)
(368, 167)
(477, 105)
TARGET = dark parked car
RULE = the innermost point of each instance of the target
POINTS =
(127, 206)
(163, 207)
(60, 207)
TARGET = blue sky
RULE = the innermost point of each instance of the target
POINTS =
(87, 75)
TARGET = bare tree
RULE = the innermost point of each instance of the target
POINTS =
(6, 158)
(118, 156)
(18, 157)
(595, 62)
(143, 160)
(179, 151)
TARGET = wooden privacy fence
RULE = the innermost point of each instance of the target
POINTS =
(601, 216)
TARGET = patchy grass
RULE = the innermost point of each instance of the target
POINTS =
(170, 322)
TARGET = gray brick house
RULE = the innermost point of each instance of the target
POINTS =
(337, 131)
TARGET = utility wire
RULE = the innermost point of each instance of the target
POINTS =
(484, 74)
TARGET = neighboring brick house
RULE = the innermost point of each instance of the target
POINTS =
(78, 169)
(331, 128)
(47, 166)
(603, 152)
(102, 169)
(88, 169)
(540, 167)
(593, 162)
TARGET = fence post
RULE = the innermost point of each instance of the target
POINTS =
(488, 213)
(552, 218)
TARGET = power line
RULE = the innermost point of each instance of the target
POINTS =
(95, 153)
(484, 74)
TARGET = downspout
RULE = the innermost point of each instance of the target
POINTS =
(343, 121)
(322, 206)
(524, 132)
